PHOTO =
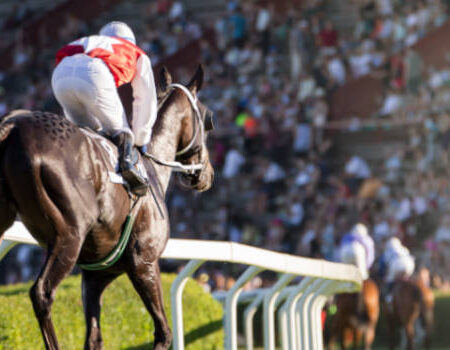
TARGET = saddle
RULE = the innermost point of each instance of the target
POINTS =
(111, 159)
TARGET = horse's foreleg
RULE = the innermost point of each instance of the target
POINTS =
(409, 332)
(342, 341)
(342, 338)
(392, 329)
(369, 336)
(93, 285)
(147, 282)
(355, 338)
(60, 261)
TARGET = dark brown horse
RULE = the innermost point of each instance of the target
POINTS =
(412, 304)
(56, 178)
(351, 326)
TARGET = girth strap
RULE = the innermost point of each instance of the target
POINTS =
(118, 250)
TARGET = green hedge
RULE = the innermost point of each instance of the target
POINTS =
(125, 321)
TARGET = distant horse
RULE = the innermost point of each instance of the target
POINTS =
(349, 324)
(412, 304)
(56, 176)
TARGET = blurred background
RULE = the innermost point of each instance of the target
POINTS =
(327, 113)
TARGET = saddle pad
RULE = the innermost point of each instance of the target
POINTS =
(111, 157)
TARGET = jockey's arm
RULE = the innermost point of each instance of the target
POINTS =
(144, 101)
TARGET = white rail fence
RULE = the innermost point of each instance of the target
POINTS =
(299, 316)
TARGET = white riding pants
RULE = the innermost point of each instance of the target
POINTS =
(86, 90)
(354, 253)
(400, 266)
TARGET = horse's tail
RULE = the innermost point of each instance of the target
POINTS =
(5, 130)
(7, 123)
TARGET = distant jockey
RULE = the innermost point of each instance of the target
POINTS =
(357, 248)
(398, 261)
(85, 81)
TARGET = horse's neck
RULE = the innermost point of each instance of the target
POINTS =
(164, 143)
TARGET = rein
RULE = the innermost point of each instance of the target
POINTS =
(176, 165)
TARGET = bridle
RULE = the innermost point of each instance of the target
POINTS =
(199, 130)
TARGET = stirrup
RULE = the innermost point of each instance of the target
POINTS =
(137, 184)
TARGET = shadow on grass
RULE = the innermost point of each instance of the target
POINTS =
(25, 290)
(15, 291)
(191, 337)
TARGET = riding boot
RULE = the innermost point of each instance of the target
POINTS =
(128, 158)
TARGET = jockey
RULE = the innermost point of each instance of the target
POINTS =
(85, 81)
(399, 261)
(399, 264)
(357, 248)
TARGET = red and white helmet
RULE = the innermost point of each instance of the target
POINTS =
(118, 29)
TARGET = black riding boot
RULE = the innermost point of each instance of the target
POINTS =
(128, 158)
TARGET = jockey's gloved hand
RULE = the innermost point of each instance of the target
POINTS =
(142, 149)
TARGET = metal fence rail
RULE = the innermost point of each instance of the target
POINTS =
(299, 316)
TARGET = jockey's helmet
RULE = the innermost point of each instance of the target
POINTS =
(360, 230)
(118, 29)
(393, 244)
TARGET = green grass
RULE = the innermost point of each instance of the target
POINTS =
(125, 321)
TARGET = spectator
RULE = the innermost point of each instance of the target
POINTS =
(238, 25)
(392, 102)
(328, 37)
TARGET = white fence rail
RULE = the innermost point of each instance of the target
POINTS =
(299, 316)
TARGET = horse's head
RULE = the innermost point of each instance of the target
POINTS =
(196, 122)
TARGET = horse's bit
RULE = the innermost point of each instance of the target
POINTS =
(175, 165)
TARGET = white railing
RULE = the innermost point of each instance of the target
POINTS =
(299, 317)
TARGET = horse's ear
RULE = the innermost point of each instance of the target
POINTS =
(197, 80)
(165, 79)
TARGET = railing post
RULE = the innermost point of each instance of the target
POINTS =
(176, 296)
(249, 313)
(269, 309)
(314, 313)
(287, 312)
(230, 306)
(303, 320)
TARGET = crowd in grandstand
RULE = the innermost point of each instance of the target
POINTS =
(269, 78)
